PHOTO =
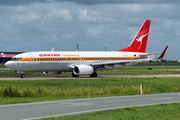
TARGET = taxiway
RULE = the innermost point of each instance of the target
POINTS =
(47, 109)
(87, 77)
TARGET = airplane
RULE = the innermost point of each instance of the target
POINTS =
(84, 62)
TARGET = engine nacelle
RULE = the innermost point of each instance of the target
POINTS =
(83, 70)
(52, 72)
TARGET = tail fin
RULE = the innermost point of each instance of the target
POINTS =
(140, 40)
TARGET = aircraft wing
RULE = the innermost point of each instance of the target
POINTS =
(111, 63)
(119, 62)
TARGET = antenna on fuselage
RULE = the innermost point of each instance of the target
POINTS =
(52, 48)
(77, 47)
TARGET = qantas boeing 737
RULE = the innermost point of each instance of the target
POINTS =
(83, 63)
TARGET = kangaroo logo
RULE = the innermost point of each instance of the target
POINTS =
(140, 36)
(3, 55)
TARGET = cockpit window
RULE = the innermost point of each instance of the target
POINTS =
(18, 58)
(13, 59)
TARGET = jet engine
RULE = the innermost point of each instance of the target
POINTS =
(52, 72)
(83, 70)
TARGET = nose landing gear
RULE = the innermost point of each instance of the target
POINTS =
(20, 72)
(22, 75)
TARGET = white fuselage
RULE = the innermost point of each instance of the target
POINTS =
(64, 61)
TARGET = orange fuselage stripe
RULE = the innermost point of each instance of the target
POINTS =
(78, 58)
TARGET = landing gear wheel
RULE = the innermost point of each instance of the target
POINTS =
(73, 75)
(22, 76)
(94, 74)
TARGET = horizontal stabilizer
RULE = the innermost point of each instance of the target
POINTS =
(161, 56)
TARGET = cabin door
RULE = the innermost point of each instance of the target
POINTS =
(31, 59)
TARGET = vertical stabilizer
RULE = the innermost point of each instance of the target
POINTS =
(140, 40)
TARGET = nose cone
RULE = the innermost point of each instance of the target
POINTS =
(9, 64)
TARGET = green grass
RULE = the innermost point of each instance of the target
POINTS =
(159, 64)
(2, 65)
(160, 83)
(142, 71)
(156, 112)
(99, 88)
(123, 71)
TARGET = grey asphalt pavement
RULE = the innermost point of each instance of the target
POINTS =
(76, 106)
(87, 77)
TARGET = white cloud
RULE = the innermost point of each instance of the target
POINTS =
(85, 16)
(94, 31)
(178, 32)
(28, 17)
(54, 37)
(66, 36)
(168, 24)
(20, 8)
(89, 16)
(61, 14)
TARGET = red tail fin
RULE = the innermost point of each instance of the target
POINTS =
(140, 40)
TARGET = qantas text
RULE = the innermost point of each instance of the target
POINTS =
(51, 55)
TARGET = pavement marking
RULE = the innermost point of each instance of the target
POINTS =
(71, 104)
(19, 104)
(163, 98)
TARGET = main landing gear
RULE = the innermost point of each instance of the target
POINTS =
(94, 74)
(22, 75)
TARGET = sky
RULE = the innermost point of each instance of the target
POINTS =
(38, 25)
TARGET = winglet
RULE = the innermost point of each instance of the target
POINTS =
(162, 54)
